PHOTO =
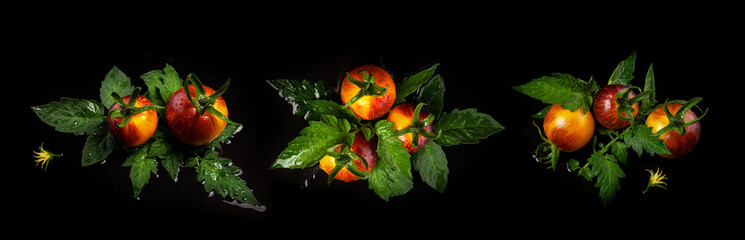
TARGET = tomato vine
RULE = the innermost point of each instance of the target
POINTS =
(604, 165)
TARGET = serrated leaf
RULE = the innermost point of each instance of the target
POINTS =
(465, 126)
(390, 149)
(71, 115)
(624, 72)
(312, 144)
(608, 175)
(115, 81)
(162, 84)
(314, 109)
(219, 175)
(298, 93)
(410, 84)
(641, 139)
(171, 161)
(432, 165)
(141, 166)
(432, 94)
(620, 151)
(387, 182)
(571, 92)
(98, 145)
(229, 132)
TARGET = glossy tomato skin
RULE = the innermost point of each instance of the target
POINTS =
(401, 116)
(140, 127)
(604, 107)
(187, 125)
(678, 145)
(363, 147)
(369, 107)
(570, 131)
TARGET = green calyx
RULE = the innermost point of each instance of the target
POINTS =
(367, 87)
(677, 120)
(201, 101)
(417, 127)
(127, 110)
(345, 158)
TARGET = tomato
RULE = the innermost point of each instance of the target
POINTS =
(604, 107)
(140, 127)
(187, 124)
(363, 147)
(369, 107)
(401, 116)
(570, 131)
(679, 145)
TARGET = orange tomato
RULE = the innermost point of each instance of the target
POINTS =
(369, 107)
(401, 116)
(677, 144)
(363, 147)
(140, 127)
(570, 131)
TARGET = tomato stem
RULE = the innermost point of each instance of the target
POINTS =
(367, 87)
(201, 101)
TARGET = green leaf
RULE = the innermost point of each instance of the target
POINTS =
(162, 84)
(115, 81)
(624, 72)
(229, 132)
(71, 115)
(313, 143)
(387, 182)
(171, 162)
(571, 92)
(620, 151)
(432, 94)
(648, 103)
(98, 145)
(641, 139)
(432, 165)
(608, 173)
(410, 84)
(298, 93)
(219, 175)
(318, 108)
(390, 149)
(466, 126)
(141, 167)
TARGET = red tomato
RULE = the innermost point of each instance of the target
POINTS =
(677, 144)
(369, 107)
(604, 107)
(187, 124)
(363, 147)
(140, 127)
(570, 131)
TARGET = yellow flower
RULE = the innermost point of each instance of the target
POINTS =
(655, 179)
(43, 157)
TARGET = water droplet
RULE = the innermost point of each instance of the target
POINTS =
(240, 172)
(103, 161)
(212, 193)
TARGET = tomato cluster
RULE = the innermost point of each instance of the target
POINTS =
(193, 120)
(571, 131)
(370, 93)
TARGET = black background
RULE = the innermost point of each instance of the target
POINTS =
(492, 185)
